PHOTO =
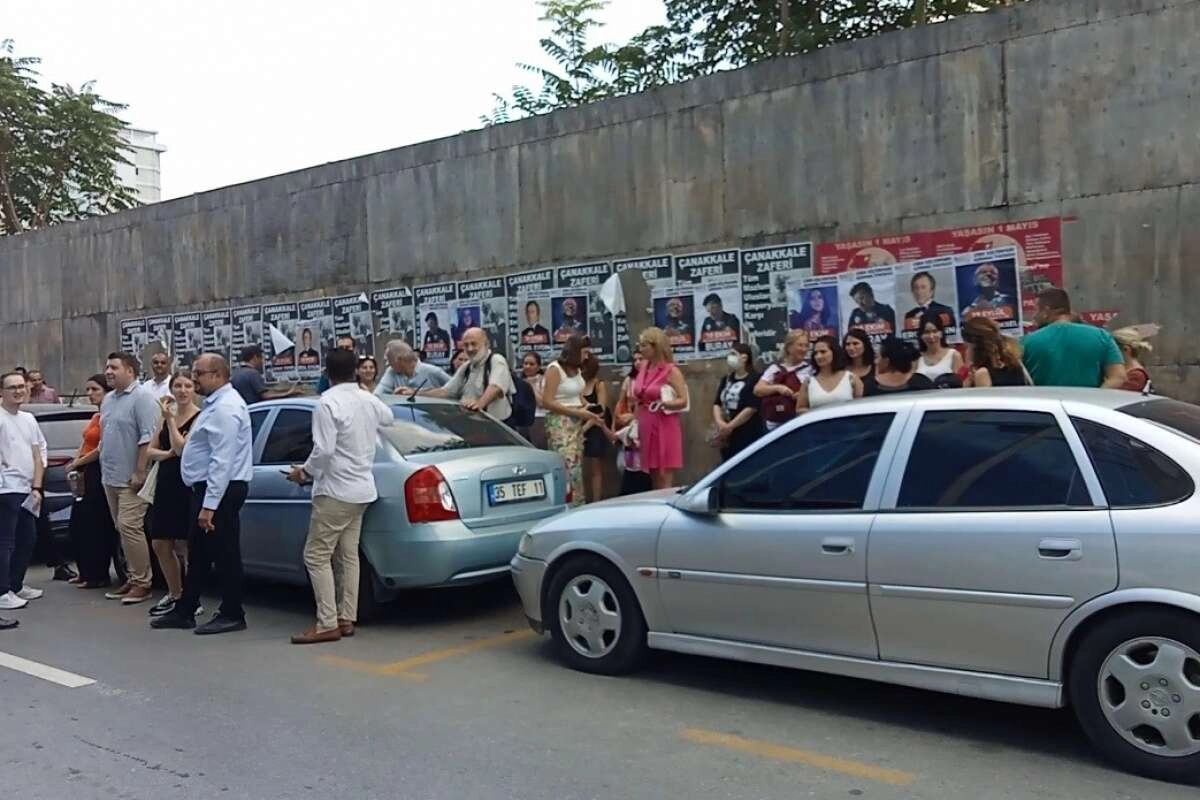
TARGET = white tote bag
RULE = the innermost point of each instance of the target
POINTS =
(147, 490)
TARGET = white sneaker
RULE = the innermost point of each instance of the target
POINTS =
(199, 611)
(9, 602)
(30, 593)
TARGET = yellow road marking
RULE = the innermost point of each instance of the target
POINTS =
(776, 752)
(403, 668)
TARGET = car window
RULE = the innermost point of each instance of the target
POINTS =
(290, 439)
(431, 427)
(991, 459)
(1132, 473)
(1176, 416)
(823, 466)
(63, 432)
(257, 418)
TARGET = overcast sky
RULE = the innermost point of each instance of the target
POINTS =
(241, 89)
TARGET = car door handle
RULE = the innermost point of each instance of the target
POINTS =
(837, 546)
(1060, 549)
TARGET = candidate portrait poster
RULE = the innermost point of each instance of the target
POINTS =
(395, 311)
(812, 307)
(766, 274)
(315, 328)
(988, 287)
(528, 322)
(488, 298)
(659, 273)
(435, 318)
(675, 314)
(715, 278)
(866, 300)
(927, 289)
(584, 281)
(158, 329)
(568, 315)
(133, 336)
(352, 317)
(218, 332)
(280, 342)
(187, 337)
(247, 324)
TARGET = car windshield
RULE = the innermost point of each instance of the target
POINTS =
(63, 433)
(431, 428)
(1183, 418)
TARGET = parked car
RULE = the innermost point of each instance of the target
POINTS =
(457, 490)
(63, 428)
(962, 541)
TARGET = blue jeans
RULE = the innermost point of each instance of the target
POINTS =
(18, 535)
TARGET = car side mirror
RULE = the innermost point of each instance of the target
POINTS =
(702, 502)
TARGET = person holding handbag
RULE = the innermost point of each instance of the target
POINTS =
(784, 380)
(93, 534)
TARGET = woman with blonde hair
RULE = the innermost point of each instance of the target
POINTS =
(661, 394)
(784, 380)
(1134, 348)
(993, 359)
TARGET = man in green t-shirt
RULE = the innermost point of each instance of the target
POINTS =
(1066, 353)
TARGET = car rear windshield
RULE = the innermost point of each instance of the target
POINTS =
(63, 433)
(1180, 417)
(430, 428)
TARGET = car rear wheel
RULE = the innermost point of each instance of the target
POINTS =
(594, 618)
(1135, 687)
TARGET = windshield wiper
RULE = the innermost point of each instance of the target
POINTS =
(459, 444)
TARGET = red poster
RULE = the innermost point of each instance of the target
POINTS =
(1099, 318)
(836, 257)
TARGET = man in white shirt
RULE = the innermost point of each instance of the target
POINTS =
(345, 430)
(160, 376)
(22, 465)
(483, 383)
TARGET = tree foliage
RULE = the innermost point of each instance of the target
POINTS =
(59, 150)
(700, 37)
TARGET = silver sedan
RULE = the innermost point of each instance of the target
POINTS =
(1034, 546)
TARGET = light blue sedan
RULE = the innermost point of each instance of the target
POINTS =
(457, 490)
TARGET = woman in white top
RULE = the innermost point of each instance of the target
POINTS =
(566, 412)
(831, 381)
(936, 358)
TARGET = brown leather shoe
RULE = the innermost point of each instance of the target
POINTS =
(346, 627)
(117, 594)
(315, 636)
(135, 595)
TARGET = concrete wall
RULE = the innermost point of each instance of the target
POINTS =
(1080, 108)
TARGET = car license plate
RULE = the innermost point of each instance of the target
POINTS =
(514, 491)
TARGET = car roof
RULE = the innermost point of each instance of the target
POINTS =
(1111, 399)
(310, 401)
(43, 409)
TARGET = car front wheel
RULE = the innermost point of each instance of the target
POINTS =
(594, 618)
(1135, 688)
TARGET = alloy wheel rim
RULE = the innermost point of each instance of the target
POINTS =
(1149, 691)
(590, 616)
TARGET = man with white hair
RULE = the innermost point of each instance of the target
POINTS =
(406, 372)
(484, 383)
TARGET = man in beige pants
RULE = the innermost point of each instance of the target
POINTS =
(129, 419)
(345, 430)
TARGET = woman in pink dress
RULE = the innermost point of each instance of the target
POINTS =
(659, 433)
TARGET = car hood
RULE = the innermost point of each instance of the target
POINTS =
(657, 497)
(625, 526)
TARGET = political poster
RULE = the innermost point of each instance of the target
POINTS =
(187, 336)
(812, 306)
(218, 333)
(486, 302)
(988, 287)
(529, 316)
(716, 288)
(766, 309)
(158, 329)
(867, 301)
(133, 335)
(279, 342)
(927, 290)
(568, 314)
(352, 317)
(659, 273)
(585, 280)
(393, 308)
(247, 322)
(434, 321)
(675, 314)
(314, 322)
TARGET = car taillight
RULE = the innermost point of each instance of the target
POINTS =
(428, 498)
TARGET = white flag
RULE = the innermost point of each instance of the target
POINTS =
(279, 342)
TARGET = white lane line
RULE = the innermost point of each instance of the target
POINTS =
(45, 672)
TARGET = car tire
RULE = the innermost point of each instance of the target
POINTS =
(1139, 649)
(368, 604)
(594, 618)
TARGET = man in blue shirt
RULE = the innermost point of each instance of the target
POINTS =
(217, 464)
(406, 371)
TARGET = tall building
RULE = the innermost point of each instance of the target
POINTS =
(144, 174)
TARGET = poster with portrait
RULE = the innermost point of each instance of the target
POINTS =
(315, 328)
(766, 273)
(529, 317)
(598, 321)
(675, 314)
(812, 306)
(927, 289)
(279, 342)
(568, 315)
(867, 302)
(247, 322)
(352, 317)
(715, 278)
(218, 332)
(133, 335)
(158, 329)
(659, 273)
(988, 287)
(434, 321)
(394, 310)
(488, 301)
(187, 336)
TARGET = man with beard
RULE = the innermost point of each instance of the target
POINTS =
(676, 327)
(923, 285)
(875, 319)
(989, 301)
(570, 324)
(720, 329)
(484, 383)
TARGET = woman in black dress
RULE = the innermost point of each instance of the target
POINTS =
(995, 359)
(595, 433)
(170, 521)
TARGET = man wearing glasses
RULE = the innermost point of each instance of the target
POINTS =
(22, 464)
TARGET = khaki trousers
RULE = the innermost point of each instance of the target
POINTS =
(129, 515)
(331, 555)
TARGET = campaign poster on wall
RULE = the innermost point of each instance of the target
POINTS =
(158, 329)
(434, 321)
(133, 335)
(585, 280)
(659, 273)
(247, 324)
(867, 301)
(812, 306)
(528, 316)
(568, 315)
(352, 317)
(314, 323)
(988, 287)
(766, 273)
(675, 314)
(187, 336)
(927, 290)
(834, 258)
(394, 310)
(218, 332)
(488, 304)
(715, 281)
(279, 341)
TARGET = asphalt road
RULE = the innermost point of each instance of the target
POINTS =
(452, 697)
